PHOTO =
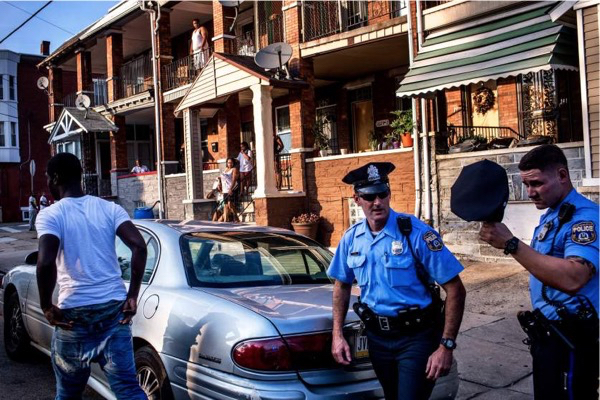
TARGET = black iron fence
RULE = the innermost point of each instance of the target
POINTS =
(185, 70)
(135, 77)
(270, 30)
(284, 171)
(324, 18)
(458, 134)
(96, 91)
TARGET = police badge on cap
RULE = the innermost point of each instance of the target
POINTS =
(370, 178)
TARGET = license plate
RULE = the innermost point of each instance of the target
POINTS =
(361, 346)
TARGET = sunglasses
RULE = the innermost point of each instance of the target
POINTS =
(371, 196)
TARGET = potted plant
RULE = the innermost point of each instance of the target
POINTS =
(373, 140)
(402, 127)
(321, 139)
(306, 224)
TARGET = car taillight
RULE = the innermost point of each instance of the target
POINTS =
(300, 352)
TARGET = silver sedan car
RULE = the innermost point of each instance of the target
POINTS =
(225, 312)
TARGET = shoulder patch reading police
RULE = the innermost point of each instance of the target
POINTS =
(583, 232)
(434, 243)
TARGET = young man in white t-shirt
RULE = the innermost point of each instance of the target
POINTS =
(245, 160)
(94, 310)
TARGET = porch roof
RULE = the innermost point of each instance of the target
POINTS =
(225, 74)
(73, 121)
(507, 45)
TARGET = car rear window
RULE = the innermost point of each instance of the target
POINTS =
(253, 259)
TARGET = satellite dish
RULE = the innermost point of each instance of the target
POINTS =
(42, 83)
(82, 102)
(230, 3)
(275, 56)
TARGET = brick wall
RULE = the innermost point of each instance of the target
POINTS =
(327, 194)
(175, 189)
(142, 187)
(278, 211)
(454, 106)
(460, 236)
(508, 111)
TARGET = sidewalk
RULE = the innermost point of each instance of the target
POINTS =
(493, 363)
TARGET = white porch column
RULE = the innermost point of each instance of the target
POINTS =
(263, 131)
(193, 157)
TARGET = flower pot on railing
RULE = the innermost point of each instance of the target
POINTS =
(407, 140)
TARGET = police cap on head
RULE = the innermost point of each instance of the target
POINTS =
(370, 178)
(480, 192)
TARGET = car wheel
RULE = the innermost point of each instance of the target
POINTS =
(152, 375)
(16, 339)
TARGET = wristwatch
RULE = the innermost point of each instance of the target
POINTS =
(448, 343)
(511, 245)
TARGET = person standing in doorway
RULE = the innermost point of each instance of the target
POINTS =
(245, 158)
(199, 44)
(563, 264)
(33, 210)
(394, 257)
(94, 311)
(278, 147)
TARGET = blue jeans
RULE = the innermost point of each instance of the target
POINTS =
(97, 336)
(400, 361)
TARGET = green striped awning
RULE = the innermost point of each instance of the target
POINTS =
(515, 42)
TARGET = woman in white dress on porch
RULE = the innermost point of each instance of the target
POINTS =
(230, 187)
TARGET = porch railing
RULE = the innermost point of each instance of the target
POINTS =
(270, 30)
(96, 91)
(324, 18)
(185, 70)
(284, 171)
(458, 134)
(135, 77)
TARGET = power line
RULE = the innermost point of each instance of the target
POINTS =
(26, 21)
(40, 18)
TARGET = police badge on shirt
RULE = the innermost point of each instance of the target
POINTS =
(583, 232)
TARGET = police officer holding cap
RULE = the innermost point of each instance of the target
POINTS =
(395, 258)
(563, 263)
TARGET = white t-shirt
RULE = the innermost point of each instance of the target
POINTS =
(43, 202)
(87, 268)
(32, 204)
(245, 165)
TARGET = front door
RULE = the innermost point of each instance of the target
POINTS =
(103, 168)
(362, 121)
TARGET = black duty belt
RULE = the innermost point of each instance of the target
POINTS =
(408, 320)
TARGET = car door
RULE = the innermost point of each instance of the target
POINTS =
(35, 322)
(124, 259)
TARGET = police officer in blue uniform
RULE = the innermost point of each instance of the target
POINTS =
(563, 263)
(395, 258)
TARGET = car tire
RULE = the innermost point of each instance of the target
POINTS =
(152, 375)
(16, 339)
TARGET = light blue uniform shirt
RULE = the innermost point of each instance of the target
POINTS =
(577, 237)
(384, 266)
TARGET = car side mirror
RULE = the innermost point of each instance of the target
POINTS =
(31, 258)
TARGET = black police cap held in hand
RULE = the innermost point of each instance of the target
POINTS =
(370, 178)
(480, 193)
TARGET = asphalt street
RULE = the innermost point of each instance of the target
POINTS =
(493, 363)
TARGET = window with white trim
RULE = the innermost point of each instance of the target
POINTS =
(73, 147)
(1, 87)
(282, 127)
(13, 134)
(2, 141)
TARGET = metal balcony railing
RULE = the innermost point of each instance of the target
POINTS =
(96, 91)
(135, 77)
(245, 46)
(185, 70)
(284, 171)
(324, 18)
(458, 134)
(270, 30)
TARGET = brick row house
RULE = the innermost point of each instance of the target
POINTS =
(23, 140)
(352, 64)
